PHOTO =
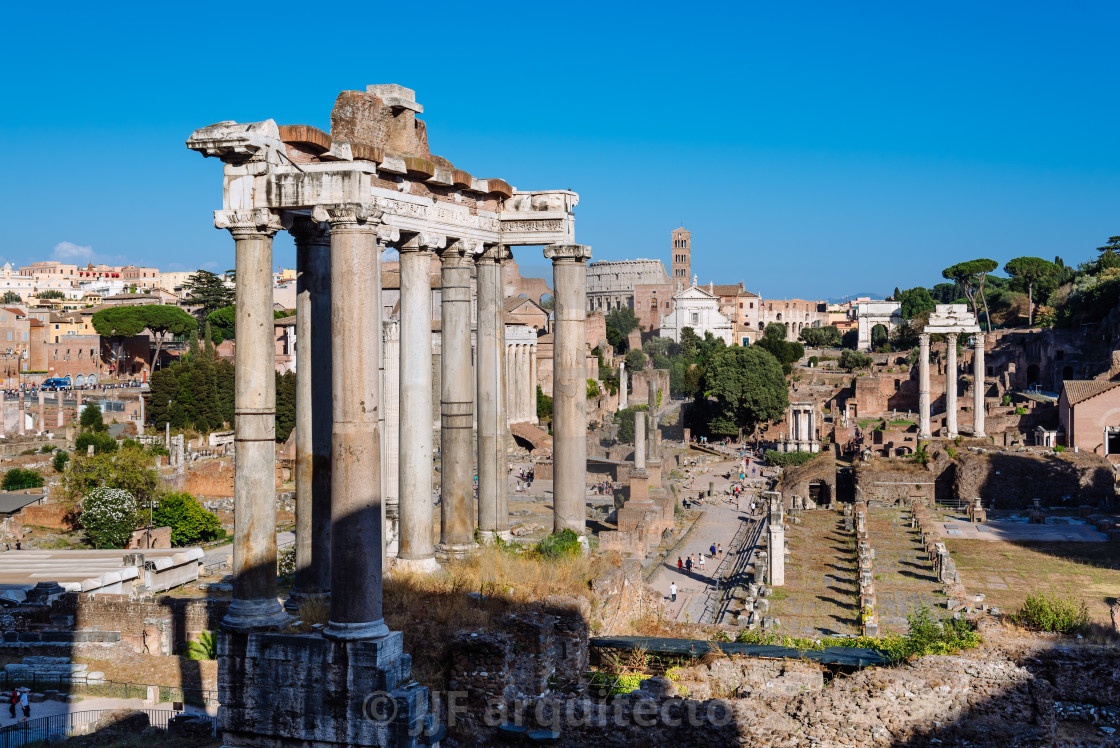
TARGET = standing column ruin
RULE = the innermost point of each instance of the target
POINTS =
(569, 386)
(456, 400)
(532, 383)
(776, 536)
(978, 384)
(493, 512)
(61, 415)
(417, 548)
(255, 605)
(42, 422)
(313, 410)
(622, 386)
(951, 384)
(923, 386)
(357, 543)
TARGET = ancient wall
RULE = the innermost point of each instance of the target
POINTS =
(1012, 479)
(175, 620)
(893, 482)
(816, 478)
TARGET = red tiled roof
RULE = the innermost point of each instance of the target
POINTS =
(1079, 390)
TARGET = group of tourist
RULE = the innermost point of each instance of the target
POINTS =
(19, 697)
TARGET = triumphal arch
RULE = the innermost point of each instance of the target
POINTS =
(345, 196)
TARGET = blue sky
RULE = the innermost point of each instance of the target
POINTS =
(814, 149)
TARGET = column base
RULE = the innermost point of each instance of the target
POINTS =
(926, 435)
(417, 565)
(247, 616)
(356, 631)
(489, 536)
(298, 597)
(979, 435)
(449, 551)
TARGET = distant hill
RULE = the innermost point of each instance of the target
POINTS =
(874, 295)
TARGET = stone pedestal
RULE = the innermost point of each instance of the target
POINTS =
(653, 467)
(294, 691)
(639, 485)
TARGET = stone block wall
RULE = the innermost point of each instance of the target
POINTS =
(163, 624)
(882, 484)
(1013, 479)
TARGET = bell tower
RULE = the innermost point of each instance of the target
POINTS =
(682, 257)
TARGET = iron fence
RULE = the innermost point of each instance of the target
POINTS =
(59, 726)
(78, 686)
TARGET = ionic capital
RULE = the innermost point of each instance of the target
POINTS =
(252, 222)
(424, 242)
(347, 215)
(567, 252)
(307, 231)
(387, 234)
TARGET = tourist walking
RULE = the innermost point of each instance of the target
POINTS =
(701, 562)
(688, 564)
(673, 590)
(719, 549)
(12, 701)
(712, 550)
(680, 563)
(25, 704)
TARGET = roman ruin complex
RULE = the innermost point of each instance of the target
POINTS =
(371, 184)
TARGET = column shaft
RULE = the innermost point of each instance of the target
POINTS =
(951, 384)
(923, 386)
(313, 410)
(456, 401)
(639, 441)
(254, 605)
(417, 549)
(532, 383)
(569, 386)
(978, 385)
(357, 543)
(491, 415)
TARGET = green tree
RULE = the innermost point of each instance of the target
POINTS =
(544, 406)
(204, 384)
(852, 360)
(785, 351)
(821, 337)
(635, 360)
(223, 370)
(619, 323)
(189, 522)
(51, 294)
(109, 515)
(91, 418)
(285, 405)
(128, 469)
(690, 344)
(970, 276)
(1033, 273)
(625, 420)
(18, 478)
(915, 301)
(879, 336)
(208, 292)
(163, 320)
(118, 323)
(58, 462)
(1109, 254)
(102, 443)
(748, 386)
(11, 297)
(222, 323)
(775, 330)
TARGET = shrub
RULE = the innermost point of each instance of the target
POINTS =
(91, 418)
(1006, 400)
(592, 389)
(814, 360)
(561, 544)
(102, 443)
(1020, 411)
(189, 522)
(1062, 615)
(109, 516)
(203, 648)
(1059, 448)
(788, 459)
(286, 566)
(625, 420)
(17, 478)
(851, 360)
(61, 458)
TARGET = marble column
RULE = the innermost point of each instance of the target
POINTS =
(639, 441)
(139, 398)
(978, 385)
(60, 414)
(456, 400)
(313, 410)
(255, 605)
(417, 547)
(357, 543)
(42, 422)
(923, 386)
(569, 386)
(22, 412)
(493, 512)
(622, 394)
(951, 384)
(3, 415)
(532, 384)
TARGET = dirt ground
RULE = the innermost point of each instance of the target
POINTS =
(1007, 572)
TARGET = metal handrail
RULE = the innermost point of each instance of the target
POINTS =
(79, 723)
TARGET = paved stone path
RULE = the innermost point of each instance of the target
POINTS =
(904, 579)
(90, 703)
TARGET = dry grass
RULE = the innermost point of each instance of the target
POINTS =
(473, 594)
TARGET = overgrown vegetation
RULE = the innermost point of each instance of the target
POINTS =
(1061, 615)
(189, 522)
(17, 479)
(788, 459)
(563, 544)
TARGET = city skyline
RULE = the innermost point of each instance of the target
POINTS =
(900, 144)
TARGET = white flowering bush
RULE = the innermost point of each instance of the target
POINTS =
(109, 515)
